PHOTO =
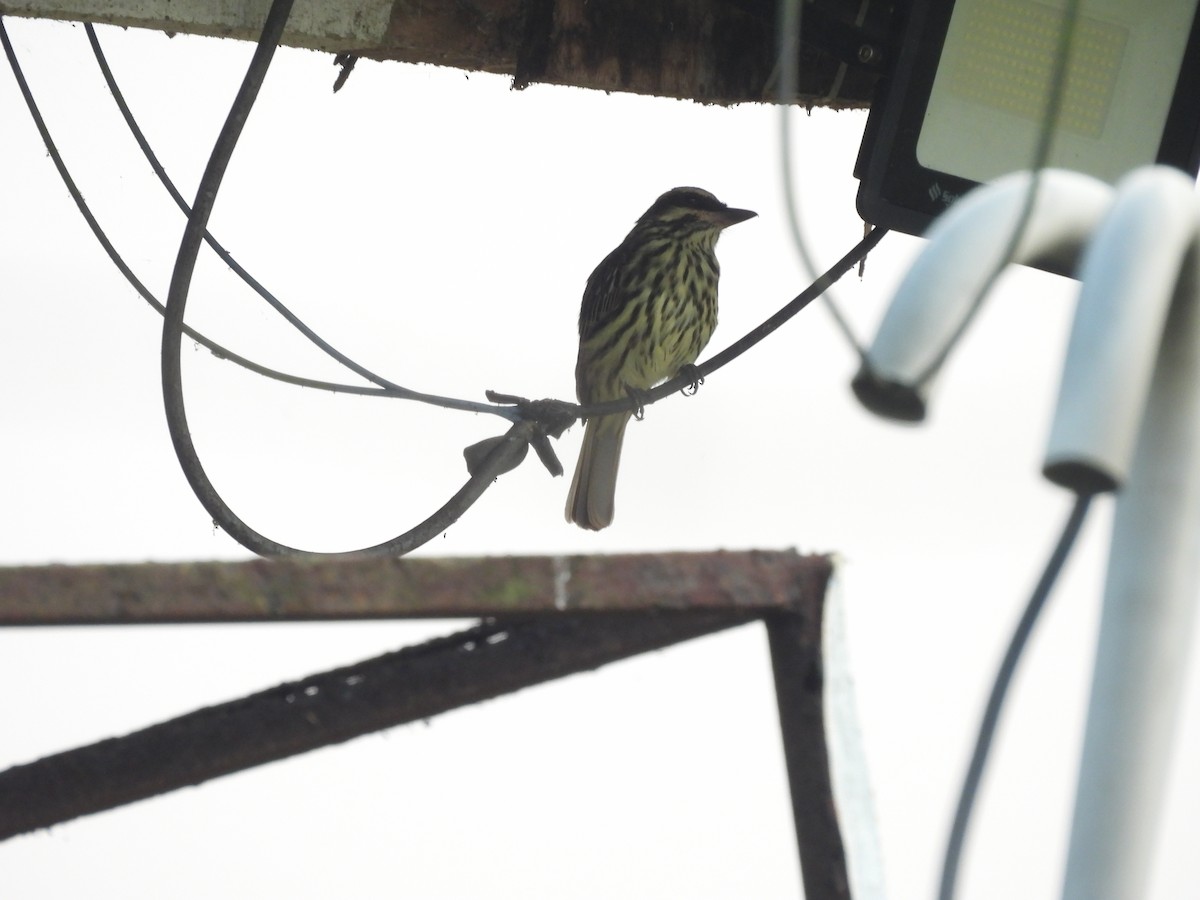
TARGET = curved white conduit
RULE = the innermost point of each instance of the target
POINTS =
(964, 247)
(1128, 274)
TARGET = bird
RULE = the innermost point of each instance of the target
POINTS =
(648, 310)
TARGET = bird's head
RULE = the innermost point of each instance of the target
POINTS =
(692, 209)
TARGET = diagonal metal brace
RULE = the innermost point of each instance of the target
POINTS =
(492, 659)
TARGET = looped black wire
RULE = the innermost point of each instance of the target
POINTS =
(544, 412)
(496, 461)
(535, 421)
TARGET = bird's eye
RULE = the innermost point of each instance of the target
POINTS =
(700, 202)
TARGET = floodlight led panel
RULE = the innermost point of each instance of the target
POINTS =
(966, 100)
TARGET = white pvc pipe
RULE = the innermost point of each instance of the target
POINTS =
(1152, 584)
(1128, 276)
(965, 245)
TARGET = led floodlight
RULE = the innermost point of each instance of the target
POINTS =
(966, 100)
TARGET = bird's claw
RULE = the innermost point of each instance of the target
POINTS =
(639, 397)
(695, 379)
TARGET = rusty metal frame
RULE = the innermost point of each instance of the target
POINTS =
(542, 618)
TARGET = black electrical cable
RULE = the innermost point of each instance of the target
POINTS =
(117, 260)
(503, 456)
(1003, 680)
(392, 389)
(816, 289)
(534, 420)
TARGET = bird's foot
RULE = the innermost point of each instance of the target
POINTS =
(695, 379)
(638, 397)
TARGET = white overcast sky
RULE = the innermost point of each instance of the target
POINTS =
(439, 228)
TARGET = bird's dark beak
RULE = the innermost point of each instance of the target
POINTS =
(731, 216)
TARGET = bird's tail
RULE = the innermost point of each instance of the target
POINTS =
(590, 502)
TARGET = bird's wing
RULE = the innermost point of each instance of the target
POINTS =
(602, 296)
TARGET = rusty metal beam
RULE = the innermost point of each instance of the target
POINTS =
(287, 590)
(547, 617)
(713, 51)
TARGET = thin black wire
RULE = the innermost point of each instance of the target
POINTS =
(1003, 681)
(1020, 638)
(502, 457)
(805, 297)
(534, 420)
(512, 408)
(789, 26)
(1041, 155)
(393, 389)
(69, 182)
